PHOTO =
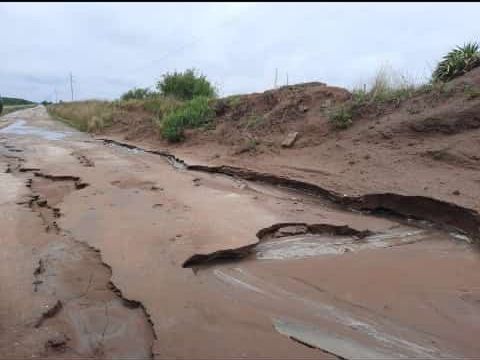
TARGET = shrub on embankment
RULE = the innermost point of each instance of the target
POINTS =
(388, 89)
(186, 85)
(192, 114)
(183, 102)
(457, 62)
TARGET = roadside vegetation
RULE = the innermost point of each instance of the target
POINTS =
(186, 85)
(91, 116)
(192, 114)
(457, 62)
(9, 104)
(186, 100)
(183, 100)
(390, 89)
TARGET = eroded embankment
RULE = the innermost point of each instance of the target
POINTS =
(273, 232)
(87, 315)
(445, 215)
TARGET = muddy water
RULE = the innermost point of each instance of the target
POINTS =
(19, 127)
(402, 291)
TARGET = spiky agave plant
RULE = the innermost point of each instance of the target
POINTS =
(457, 62)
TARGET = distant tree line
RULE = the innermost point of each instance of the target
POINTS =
(9, 101)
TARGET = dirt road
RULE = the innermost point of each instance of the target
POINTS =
(113, 252)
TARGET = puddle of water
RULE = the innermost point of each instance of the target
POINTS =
(302, 246)
(19, 128)
(322, 339)
(352, 334)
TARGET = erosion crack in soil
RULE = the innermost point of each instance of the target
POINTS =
(445, 215)
(113, 236)
(269, 233)
(39, 203)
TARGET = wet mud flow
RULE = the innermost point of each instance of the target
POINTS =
(129, 252)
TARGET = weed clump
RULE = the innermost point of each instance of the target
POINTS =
(457, 62)
(91, 115)
(386, 88)
(193, 114)
(341, 118)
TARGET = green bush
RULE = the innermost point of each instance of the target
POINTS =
(192, 114)
(457, 62)
(186, 85)
(1, 106)
(137, 94)
(161, 105)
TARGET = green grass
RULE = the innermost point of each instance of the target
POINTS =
(254, 121)
(9, 101)
(341, 117)
(387, 88)
(11, 108)
(90, 116)
(193, 114)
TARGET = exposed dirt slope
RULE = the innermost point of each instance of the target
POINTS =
(427, 145)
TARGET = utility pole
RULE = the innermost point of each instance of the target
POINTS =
(287, 78)
(276, 77)
(56, 96)
(71, 84)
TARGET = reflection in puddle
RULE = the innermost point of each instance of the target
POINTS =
(19, 128)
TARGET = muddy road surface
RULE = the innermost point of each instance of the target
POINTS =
(109, 251)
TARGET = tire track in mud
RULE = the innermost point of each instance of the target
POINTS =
(444, 215)
(79, 308)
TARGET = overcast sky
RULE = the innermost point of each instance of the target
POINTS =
(112, 47)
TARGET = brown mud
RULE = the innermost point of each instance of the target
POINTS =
(102, 256)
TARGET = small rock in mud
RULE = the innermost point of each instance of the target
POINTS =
(290, 139)
(456, 192)
(157, 205)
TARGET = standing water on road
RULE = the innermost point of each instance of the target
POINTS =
(20, 128)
